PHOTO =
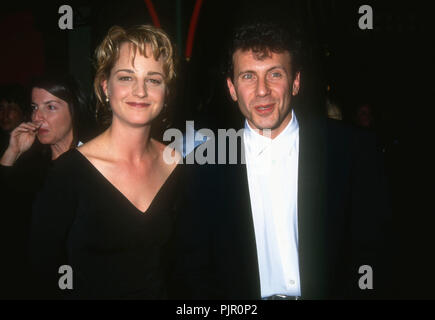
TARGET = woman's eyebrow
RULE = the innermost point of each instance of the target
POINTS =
(50, 101)
(124, 70)
(152, 73)
(45, 102)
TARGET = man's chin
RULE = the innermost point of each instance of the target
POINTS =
(269, 125)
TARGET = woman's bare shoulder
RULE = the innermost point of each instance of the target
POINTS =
(94, 149)
(169, 156)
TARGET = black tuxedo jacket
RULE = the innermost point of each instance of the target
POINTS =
(342, 220)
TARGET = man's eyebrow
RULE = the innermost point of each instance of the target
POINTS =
(245, 71)
(268, 70)
(277, 67)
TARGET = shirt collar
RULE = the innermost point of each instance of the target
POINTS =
(256, 144)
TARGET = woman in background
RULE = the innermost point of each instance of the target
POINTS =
(59, 117)
(59, 111)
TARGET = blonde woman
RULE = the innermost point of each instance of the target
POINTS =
(108, 207)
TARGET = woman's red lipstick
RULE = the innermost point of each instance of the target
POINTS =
(138, 104)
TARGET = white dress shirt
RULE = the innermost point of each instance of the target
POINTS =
(272, 167)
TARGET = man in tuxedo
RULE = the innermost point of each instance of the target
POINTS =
(302, 209)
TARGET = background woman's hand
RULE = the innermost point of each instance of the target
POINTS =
(21, 139)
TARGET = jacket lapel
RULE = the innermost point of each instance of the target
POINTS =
(238, 229)
(311, 207)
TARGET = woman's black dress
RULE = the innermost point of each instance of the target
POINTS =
(19, 185)
(115, 251)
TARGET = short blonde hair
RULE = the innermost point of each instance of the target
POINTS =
(107, 53)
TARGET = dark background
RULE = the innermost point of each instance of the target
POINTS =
(389, 65)
(384, 64)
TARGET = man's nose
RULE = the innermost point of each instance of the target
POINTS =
(262, 87)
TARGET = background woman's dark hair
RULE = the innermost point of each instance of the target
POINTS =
(65, 87)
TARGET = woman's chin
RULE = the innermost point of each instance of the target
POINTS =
(140, 121)
(45, 140)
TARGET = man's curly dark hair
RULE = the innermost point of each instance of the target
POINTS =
(263, 38)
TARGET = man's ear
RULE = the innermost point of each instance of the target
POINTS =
(232, 89)
(296, 84)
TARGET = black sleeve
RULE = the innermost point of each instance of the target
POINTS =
(5, 172)
(371, 216)
(192, 274)
(28, 172)
(6, 176)
(12, 239)
(18, 188)
(53, 215)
